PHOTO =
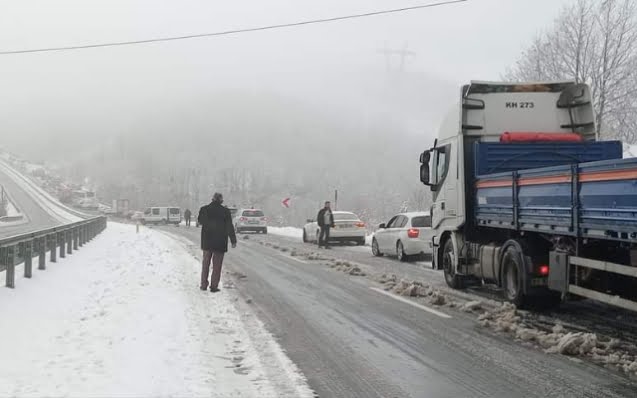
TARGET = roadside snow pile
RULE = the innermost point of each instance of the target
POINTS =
(558, 340)
(290, 232)
(418, 289)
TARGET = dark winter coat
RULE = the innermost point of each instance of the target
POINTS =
(320, 218)
(187, 214)
(216, 227)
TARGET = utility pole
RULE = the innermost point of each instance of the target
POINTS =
(403, 54)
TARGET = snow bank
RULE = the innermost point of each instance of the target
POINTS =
(289, 232)
(12, 211)
(558, 340)
(124, 317)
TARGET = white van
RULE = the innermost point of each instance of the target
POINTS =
(162, 215)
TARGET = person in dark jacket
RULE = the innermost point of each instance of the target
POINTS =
(216, 228)
(325, 220)
(187, 215)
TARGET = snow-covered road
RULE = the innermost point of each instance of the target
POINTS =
(125, 317)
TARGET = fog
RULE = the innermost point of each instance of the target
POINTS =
(260, 116)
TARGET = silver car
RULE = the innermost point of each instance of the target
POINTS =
(250, 220)
(405, 235)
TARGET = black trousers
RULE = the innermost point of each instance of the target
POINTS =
(324, 236)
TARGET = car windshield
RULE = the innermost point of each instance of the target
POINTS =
(421, 222)
(345, 217)
(252, 213)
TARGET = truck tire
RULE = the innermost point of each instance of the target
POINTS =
(512, 275)
(375, 249)
(448, 260)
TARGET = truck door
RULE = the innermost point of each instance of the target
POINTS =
(444, 189)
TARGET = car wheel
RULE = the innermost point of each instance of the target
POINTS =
(265, 231)
(361, 242)
(400, 252)
(375, 249)
(448, 260)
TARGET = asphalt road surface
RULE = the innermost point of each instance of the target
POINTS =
(351, 340)
(38, 218)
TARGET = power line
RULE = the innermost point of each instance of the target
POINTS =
(234, 31)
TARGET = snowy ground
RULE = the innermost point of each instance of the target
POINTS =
(630, 151)
(124, 317)
(12, 211)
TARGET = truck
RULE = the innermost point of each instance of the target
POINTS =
(527, 198)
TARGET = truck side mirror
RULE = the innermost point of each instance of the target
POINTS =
(424, 173)
(424, 157)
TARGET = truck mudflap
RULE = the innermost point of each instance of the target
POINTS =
(561, 266)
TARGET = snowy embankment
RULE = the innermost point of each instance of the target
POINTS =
(630, 151)
(125, 317)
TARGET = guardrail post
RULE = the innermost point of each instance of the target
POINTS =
(27, 250)
(42, 253)
(76, 238)
(69, 241)
(62, 239)
(53, 246)
(9, 262)
(80, 234)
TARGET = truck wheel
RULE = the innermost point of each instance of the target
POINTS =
(400, 252)
(512, 267)
(449, 258)
(375, 249)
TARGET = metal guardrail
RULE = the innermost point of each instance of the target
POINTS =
(63, 239)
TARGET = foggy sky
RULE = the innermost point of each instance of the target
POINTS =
(336, 67)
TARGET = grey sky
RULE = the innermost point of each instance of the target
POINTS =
(331, 64)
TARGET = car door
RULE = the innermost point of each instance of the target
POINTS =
(400, 232)
(383, 236)
(394, 233)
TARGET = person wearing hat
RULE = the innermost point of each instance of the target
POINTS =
(216, 228)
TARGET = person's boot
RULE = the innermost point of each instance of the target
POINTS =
(214, 289)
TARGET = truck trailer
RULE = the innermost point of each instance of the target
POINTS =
(526, 197)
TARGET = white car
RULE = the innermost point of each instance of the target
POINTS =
(405, 235)
(250, 220)
(348, 228)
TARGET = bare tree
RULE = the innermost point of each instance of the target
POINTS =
(593, 42)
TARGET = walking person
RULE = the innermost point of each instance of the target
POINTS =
(325, 220)
(187, 215)
(216, 228)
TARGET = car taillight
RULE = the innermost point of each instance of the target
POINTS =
(243, 219)
(413, 232)
(544, 270)
(360, 224)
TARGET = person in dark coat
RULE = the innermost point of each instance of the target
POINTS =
(325, 220)
(187, 215)
(216, 228)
